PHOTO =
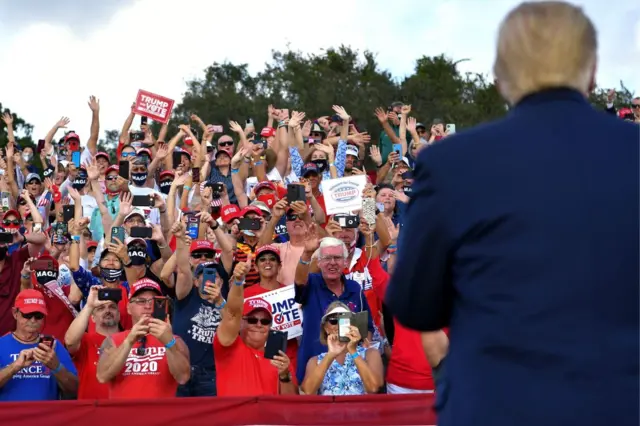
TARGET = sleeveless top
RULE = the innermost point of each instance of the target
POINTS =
(143, 376)
(342, 379)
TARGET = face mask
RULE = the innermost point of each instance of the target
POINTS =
(3, 253)
(137, 256)
(27, 157)
(79, 183)
(249, 233)
(110, 275)
(43, 277)
(321, 164)
(139, 179)
(165, 186)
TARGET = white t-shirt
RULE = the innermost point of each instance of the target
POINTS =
(89, 204)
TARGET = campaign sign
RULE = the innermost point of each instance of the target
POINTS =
(343, 195)
(156, 107)
(287, 314)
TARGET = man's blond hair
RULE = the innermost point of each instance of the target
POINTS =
(544, 45)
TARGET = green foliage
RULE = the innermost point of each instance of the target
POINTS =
(109, 144)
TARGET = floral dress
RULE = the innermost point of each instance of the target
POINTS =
(342, 379)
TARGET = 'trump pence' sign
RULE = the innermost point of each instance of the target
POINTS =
(343, 195)
(156, 107)
(287, 315)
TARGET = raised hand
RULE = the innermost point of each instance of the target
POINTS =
(63, 123)
(361, 138)
(341, 112)
(161, 330)
(335, 346)
(94, 103)
(178, 229)
(7, 118)
(75, 195)
(306, 129)
(406, 109)
(354, 338)
(374, 152)
(381, 115)
(296, 118)
(311, 240)
(125, 203)
(234, 126)
(93, 173)
(242, 268)
(411, 124)
(281, 362)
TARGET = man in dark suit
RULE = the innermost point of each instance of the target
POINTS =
(522, 238)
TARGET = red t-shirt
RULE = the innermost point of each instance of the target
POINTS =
(125, 318)
(243, 371)
(292, 344)
(372, 278)
(86, 361)
(145, 376)
(59, 317)
(10, 287)
(408, 366)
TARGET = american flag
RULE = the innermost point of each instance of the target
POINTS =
(45, 199)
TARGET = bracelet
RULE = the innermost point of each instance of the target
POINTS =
(75, 238)
(234, 171)
(304, 262)
(25, 277)
(171, 344)
(187, 187)
(57, 369)
(238, 283)
(258, 163)
(354, 356)
(332, 165)
(163, 247)
(224, 302)
(392, 246)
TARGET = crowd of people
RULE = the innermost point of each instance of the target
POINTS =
(148, 277)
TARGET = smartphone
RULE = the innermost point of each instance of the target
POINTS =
(407, 175)
(177, 159)
(47, 340)
(398, 148)
(143, 120)
(276, 342)
(112, 294)
(42, 265)
(348, 221)
(369, 210)
(193, 226)
(195, 175)
(143, 201)
(247, 224)
(217, 129)
(344, 324)
(68, 213)
(123, 169)
(75, 158)
(136, 136)
(5, 201)
(217, 187)
(140, 232)
(209, 274)
(451, 128)
(117, 232)
(361, 320)
(40, 146)
(295, 192)
(6, 238)
(160, 308)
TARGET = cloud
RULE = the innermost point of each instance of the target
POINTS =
(50, 66)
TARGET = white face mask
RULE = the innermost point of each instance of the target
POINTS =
(27, 157)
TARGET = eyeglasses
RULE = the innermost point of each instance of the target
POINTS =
(37, 315)
(226, 143)
(202, 255)
(142, 301)
(22, 203)
(112, 177)
(292, 217)
(254, 320)
(8, 222)
(263, 259)
(332, 259)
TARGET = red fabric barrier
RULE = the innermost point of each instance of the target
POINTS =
(285, 410)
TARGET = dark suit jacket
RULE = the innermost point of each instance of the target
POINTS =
(522, 237)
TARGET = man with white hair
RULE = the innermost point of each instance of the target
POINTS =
(317, 291)
(525, 243)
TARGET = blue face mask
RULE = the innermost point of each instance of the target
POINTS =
(139, 179)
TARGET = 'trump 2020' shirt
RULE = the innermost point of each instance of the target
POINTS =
(35, 382)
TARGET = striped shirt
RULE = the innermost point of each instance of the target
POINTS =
(242, 250)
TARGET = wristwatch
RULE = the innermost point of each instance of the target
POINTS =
(285, 379)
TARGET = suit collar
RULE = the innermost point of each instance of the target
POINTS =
(551, 95)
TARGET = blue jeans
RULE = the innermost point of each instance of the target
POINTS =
(201, 383)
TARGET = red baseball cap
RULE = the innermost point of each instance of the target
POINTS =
(71, 135)
(29, 301)
(264, 185)
(269, 248)
(251, 209)
(102, 154)
(229, 212)
(255, 304)
(143, 285)
(201, 245)
(91, 244)
(268, 132)
(113, 168)
(13, 212)
(166, 173)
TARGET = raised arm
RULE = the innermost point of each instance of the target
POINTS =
(92, 143)
(232, 313)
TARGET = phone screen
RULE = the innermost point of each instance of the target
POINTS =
(75, 158)
(193, 227)
(195, 178)
(344, 328)
(141, 232)
(123, 169)
(209, 274)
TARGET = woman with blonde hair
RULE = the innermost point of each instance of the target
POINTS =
(347, 368)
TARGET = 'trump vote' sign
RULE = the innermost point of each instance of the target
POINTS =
(343, 195)
(287, 314)
(156, 107)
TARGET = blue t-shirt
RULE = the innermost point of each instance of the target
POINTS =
(282, 235)
(85, 280)
(196, 321)
(315, 298)
(35, 382)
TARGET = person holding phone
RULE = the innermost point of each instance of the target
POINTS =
(347, 368)
(84, 345)
(248, 241)
(239, 346)
(33, 368)
(149, 360)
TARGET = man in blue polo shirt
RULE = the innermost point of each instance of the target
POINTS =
(315, 292)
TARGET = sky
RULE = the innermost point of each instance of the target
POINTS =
(57, 53)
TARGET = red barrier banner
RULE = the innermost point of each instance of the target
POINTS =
(156, 107)
(371, 410)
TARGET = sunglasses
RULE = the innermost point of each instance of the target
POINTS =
(22, 203)
(292, 217)
(635, 106)
(112, 177)
(228, 143)
(202, 255)
(36, 315)
(254, 320)
(8, 222)
(128, 154)
(332, 320)
(263, 259)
